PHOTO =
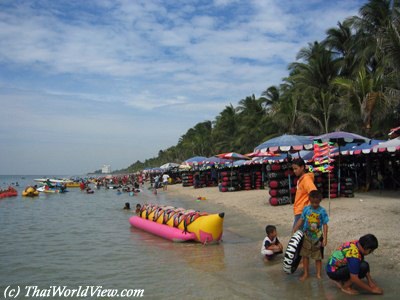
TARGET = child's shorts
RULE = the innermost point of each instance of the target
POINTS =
(311, 249)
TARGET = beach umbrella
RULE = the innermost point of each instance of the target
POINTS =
(388, 146)
(239, 162)
(394, 132)
(259, 153)
(195, 160)
(169, 165)
(232, 156)
(184, 167)
(340, 138)
(286, 143)
(213, 160)
(306, 155)
(355, 149)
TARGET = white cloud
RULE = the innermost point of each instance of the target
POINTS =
(117, 66)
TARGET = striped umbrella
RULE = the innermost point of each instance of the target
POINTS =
(286, 143)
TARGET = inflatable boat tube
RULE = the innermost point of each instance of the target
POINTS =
(161, 230)
(191, 225)
(9, 193)
(274, 201)
(30, 192)
(292, 256)
(275, 184)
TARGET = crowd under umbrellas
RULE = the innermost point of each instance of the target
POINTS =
(345, 146)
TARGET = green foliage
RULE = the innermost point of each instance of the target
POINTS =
(349, 81)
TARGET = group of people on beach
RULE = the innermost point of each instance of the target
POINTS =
(346, 265)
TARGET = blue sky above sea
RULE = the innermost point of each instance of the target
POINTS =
(87, 83)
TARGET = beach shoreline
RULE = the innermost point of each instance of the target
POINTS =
(369, 212)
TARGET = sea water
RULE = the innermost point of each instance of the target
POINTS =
(78, 239)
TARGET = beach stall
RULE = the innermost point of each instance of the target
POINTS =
(278, 169)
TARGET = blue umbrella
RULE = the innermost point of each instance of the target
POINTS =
(216, 160)
(304, 154)
(239, 163)
(285, 143)
(352, 148)
(195, 159)
(341, 138)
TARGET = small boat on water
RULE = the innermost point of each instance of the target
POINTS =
(54, 180)
(30, 192)
(73, 184)
(10, 192)
(51, 190)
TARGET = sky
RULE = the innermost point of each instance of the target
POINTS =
(88, 83)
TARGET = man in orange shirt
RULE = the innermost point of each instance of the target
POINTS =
(305, 184)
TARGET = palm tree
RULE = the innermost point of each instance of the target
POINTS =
(269, 98)
(313, 80)
(375, 71)
(363, 97)
(197, 141)
(375, 17)
(225, 130)
(251, 117)
(318, 69)
(340, 41)
(286, 117)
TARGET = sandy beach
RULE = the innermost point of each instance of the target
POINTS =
(372, 212)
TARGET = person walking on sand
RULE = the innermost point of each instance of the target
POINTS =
(305, 184)
(165, 179)
(346, 265)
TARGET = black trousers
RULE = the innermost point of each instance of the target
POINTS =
(343, 273)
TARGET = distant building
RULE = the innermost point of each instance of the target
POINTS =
(106, 169)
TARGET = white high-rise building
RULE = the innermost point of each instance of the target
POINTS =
(106, 169)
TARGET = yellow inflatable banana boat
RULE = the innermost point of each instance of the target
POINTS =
(178, 224)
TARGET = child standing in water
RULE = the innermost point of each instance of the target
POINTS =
(314, 223)
(271, 245)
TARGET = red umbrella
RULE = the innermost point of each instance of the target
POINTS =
(232, 156)
(260, 154)
(394, 132)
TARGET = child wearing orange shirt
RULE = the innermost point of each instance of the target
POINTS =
(305, 184)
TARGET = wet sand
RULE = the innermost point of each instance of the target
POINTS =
(372, 212)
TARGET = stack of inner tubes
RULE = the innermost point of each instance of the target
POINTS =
(247, 181)
(278, 182)
(229, 181)
(258, 180)
(187, 179)
(346, 187)
(203, 179)
(206, 178)
(329, 185)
